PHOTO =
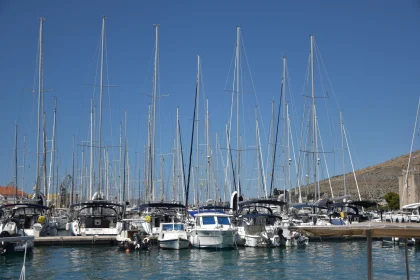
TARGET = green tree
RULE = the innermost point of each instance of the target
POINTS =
(393, 200)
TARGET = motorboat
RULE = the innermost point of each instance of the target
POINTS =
(131, 234)
(213, 230)
(173, 236)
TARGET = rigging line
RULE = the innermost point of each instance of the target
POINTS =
(295, 163)
(292, 100)
(351, 161)
(275, 143)
(325, 69)
(230, 67)
(325, 158)
(357, 160)
(143, 86)
(191, 147)
(109, 95)
(324, 91)
(253, 86)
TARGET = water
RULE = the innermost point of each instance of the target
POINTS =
(319, 260)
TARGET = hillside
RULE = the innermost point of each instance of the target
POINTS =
(374, 181)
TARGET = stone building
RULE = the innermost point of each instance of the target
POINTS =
(408, 190)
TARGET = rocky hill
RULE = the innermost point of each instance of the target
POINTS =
(374, 181)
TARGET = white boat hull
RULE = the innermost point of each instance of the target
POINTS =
(203, 238)
(175, 244)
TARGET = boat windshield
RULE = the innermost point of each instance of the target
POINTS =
(223, 221)
(209, 220)
(166, 227)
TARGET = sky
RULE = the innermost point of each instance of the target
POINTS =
(367, 67)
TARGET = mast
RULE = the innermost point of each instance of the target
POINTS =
(208, 148)
(23, 164)
(101, 85)
(91, 150)
(51, 179)
(16, 164)
(155, 77)
(44, 157)
(72, 174)
(313, 118)
(198, 135)
(40, 69)
(284, 130)
(342, 152)
(125, 160)
(238, 160)
(122, 164)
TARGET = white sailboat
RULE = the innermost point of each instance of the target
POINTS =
(97, 216)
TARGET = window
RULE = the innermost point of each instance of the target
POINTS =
(178, 227)
(223, 221)
(167, 227)
(208, 220)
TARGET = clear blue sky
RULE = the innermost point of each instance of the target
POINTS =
(370, 50)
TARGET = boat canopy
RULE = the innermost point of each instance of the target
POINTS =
(96, 203)
(160, 205)
(262, 201)
(27, 205)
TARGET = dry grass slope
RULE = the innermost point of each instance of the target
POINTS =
(374, 181)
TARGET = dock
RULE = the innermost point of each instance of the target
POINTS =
(75, 240)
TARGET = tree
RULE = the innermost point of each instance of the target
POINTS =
(393, 200)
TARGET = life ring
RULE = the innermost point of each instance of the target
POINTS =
(146, 240)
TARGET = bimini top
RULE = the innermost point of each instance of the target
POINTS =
(214, 207)
(411, 206)
(362, 203)
(27, 205)
(262, 201)
(95, 203)
(256, 215)
(160, 205)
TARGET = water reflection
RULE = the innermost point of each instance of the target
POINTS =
(320, 260)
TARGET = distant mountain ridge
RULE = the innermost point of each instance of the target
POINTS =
(374, 181)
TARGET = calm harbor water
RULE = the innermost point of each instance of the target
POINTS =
(319, 260)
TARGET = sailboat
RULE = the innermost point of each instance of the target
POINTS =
(97, 216)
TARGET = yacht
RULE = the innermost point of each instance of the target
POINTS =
(213, 230)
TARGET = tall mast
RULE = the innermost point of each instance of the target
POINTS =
(91, 150)
(155, 78)
(121, 163)
(342, 152)
(198, 135)
(125, 160)
(44, 156)
(16, 165)
(100, 102)
(23, 162)
(51, 179)
(238, 161)
(39, 107)
(313, 117)
(72, 174)
(208, 148)
(284, 129)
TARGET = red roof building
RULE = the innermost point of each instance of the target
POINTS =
(10, 191)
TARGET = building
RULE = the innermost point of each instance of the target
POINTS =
(408, 191)
(8, 194)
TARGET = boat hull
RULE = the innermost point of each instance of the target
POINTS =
(174, 244)
(213, 239)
